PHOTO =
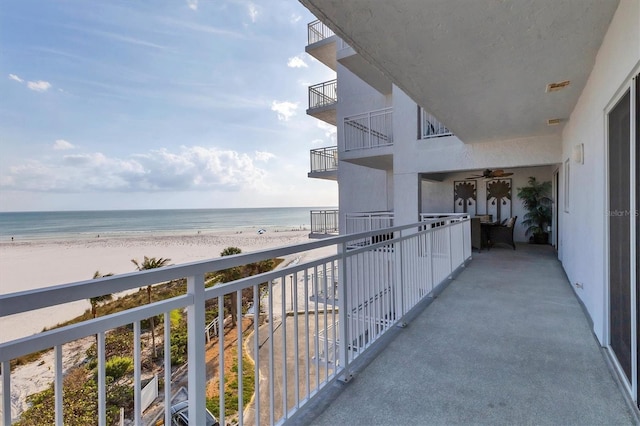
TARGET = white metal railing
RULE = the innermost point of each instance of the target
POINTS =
(296, 345)
(368, 221)
(365, 222)
(317, 31)
(369, 130)
(430, 127)
(324, 159)
(324, 222)
(325, 280)
(323, 94)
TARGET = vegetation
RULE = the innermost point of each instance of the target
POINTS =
(151, 263)
(231, 399)
(99, 300)
(80, 384)
(80, 401)
(537, 202)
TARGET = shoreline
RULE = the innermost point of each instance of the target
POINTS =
(28, 265)
(125, 235)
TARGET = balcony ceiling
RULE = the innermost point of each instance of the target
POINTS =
(481, 67)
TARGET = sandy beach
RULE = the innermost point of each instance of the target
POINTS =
(30, 265)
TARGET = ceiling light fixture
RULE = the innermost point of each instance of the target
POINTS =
(554, 87)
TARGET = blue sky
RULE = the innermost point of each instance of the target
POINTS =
(157, 104)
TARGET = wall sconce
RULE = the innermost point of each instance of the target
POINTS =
(578, 153)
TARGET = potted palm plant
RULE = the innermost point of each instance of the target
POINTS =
(537, 202)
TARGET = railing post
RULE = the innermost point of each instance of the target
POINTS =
(369, 130)
(58, 386)
(167, 368)
(195, 361)
(102, 397)
(343, 317)
(6, 392)
(137, 375)
(399, 281)
(449, 225)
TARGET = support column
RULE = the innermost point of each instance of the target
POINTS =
(406, 198)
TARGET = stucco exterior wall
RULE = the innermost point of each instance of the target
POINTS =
(361, 189)
(583, 229)
(412, 155)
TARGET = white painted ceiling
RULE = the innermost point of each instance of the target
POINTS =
(480, 66)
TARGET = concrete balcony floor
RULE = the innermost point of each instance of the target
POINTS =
(506, 342)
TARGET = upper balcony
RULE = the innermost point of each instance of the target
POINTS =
(497, 344)
(430, 127)
(324, 223)
(322, 43)
(324, 163)
(323, 98)
(368, 139)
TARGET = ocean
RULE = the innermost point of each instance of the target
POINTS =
(64, 225)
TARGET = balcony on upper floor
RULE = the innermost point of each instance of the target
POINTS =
(430, 127)
(321, 43)
(324, 223)
(323, 98)
(324, 163)
(368, 139)
(497, 343)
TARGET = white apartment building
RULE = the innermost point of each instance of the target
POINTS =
(430, 93)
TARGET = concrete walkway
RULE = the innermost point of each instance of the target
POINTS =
(506, 343)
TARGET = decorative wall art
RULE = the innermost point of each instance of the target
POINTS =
(499, 199)
(464, 197)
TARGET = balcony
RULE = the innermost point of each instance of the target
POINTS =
(324, 223)
(323, 98)
(366, 222)
(501, 344)
(321, 43)
(430, 127)
(368, 139)
(285, 324)
(324, 163)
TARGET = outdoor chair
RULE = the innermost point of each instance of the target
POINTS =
(476, 231)
(503, 234)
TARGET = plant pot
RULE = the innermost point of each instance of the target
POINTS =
(541, 238)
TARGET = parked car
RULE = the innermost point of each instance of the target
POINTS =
(180, 415)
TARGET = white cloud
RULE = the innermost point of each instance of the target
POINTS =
(329, 131)
(285, 109)
(264, 156)
(295, 18)
(253, 12)
(189, 169)
(16, 78)
(61, 144)
(317, 141)
(39, 86)
(193, 4)
(297, 62)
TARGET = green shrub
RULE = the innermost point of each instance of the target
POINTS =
(118, 366)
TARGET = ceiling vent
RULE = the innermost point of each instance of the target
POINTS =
(554, 87)
(554, 121)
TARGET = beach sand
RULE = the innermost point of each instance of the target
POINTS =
(31, 265)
